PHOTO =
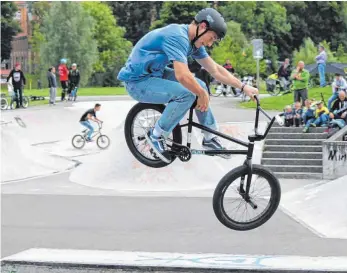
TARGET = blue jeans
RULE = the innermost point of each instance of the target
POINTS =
(178, 98)
(332, 99)
(89, 126)
(308, 122)
(321, 71)
(323, 119)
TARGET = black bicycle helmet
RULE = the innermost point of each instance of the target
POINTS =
(214, 20)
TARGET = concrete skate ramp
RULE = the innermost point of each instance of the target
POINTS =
(20, 160)
(322, 207)
(52, 130)
(117, 168)
(73, 261)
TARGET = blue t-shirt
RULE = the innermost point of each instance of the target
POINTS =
(156, 49)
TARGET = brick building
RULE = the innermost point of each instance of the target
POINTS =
(21, 50)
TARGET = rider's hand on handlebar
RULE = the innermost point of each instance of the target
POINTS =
(251, 91)
(203, 101)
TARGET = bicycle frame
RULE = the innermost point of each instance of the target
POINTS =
(95, 133)
(249, 145)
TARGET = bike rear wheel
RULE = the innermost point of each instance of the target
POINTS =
(215, 91)
(78, 141)
(140, 119)
(103, 141)
(267, 200)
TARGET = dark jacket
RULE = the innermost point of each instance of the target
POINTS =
(338, 104)
(74, 77)
(18, 78)
(283, 72)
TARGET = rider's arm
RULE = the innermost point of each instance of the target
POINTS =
(24, 80)
(9, 76)
(185, 77)
(221, 74)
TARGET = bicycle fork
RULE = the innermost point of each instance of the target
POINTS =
(248, 162)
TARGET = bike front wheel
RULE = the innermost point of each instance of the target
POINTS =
(103, 141)
(229, 201)
(78, 141)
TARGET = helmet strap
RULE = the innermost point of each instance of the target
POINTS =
(197, 36)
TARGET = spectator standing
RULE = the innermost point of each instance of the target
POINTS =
(52, 84)
(63, 76)
(321, 59)
(284, 74)
(18, 81)
(74, 81)
(300, 77)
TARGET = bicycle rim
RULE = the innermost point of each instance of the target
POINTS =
(237, 209)
(78, 141)
(142, 123)
(103, 141)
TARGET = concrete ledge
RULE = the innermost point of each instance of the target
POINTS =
(61, 260)
(335, 156)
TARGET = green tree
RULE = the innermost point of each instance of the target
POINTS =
(39, 10)
(236, 48)
(308, 52)
(341, 54)
(135, 16)
(68, 33)
(319, 20)
(113, 48)
(9, 28)
(178, 12)
(262, 20)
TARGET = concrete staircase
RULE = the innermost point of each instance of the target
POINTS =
(290, 153)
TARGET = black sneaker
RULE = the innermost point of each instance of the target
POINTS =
(159, 146)
(215, 144)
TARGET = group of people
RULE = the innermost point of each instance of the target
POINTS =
(69, 80)
(314, 114)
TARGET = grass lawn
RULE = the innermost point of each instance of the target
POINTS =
(279, 102)
(84, 91)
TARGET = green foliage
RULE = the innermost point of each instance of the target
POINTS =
(341, 54)
(39, 10)
(9, 28)
(68, 33)
(236, 48)
(268, 22)
(135, 16)
(179, 12)
(112, 47)
(308, 52)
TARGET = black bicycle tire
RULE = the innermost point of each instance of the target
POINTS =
(97, 142)
(177, 134)
(25, 98)
(5, 100)
(214, 94)
(228, 179)
(84, 142)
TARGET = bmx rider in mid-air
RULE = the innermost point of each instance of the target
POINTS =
(149, 80)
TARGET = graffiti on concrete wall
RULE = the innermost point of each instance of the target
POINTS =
(337, 155)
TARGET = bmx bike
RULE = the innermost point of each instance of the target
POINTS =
(79, 140)
(244, 181)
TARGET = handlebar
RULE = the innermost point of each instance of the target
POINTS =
(258, 136)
